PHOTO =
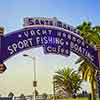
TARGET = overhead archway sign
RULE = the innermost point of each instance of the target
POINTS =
(51, 34)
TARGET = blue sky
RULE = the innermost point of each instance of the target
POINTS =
(73, 12)
(12, 12)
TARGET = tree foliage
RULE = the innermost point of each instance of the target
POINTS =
(11, 94)
(67, 81)
(92, 36)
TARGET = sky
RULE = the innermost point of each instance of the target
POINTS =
(19, 74)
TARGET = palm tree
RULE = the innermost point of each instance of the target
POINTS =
(45, 95)
(92, 36)
(22, 97)
(67, 81)
(11, 95)
(88, 73)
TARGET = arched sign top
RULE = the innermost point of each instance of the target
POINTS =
(29, 21)
(53, 39)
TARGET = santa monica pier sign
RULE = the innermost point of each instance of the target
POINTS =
(53, 35)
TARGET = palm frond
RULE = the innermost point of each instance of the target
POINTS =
(79, 60)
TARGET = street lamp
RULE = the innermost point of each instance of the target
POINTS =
(34, 80)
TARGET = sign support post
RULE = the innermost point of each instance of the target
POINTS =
(2, 66)
(1, 37)
(98, 71)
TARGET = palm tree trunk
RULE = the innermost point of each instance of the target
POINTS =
(92, 91)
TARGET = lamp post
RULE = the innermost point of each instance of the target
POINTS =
(34, 74)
